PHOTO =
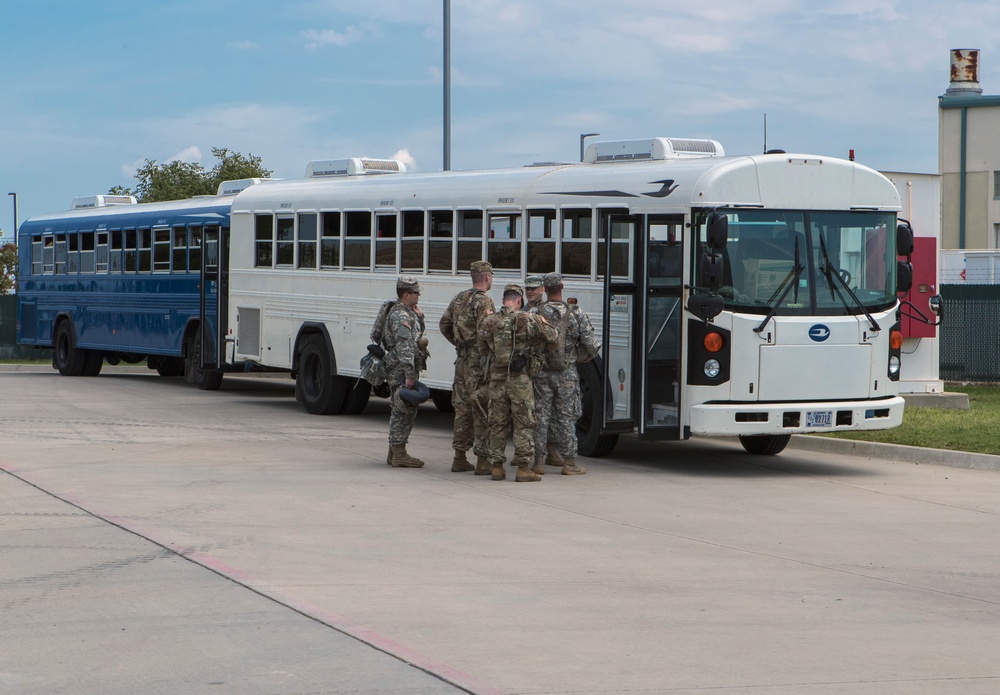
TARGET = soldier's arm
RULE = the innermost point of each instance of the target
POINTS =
(406, 348)
(447, 323)
(588, 336)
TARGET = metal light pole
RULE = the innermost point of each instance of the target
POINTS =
(447, 85)
(584, 136)
(15, 215)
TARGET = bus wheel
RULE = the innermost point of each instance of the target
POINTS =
(764, 444)
(170, 366)
(358, 393)
(317, 385)
(205, 379)
(68, 359)
(442, 400)
(588, 428)
(93, 362)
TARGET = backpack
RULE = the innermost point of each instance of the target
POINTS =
(373, 369)
(378, 329)
(556, 359)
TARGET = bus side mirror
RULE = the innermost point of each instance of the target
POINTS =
(904, 239)
(718, 231)
(706, 306)
(904, 276)
(936, 303)
(712, 269)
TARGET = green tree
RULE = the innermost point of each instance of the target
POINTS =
(8, 268)
(178, 180)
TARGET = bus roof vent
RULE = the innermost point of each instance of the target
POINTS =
(102, 201)
(237, 185)
(651, 149)
(356, 166)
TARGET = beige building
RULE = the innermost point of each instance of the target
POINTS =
(969, 158)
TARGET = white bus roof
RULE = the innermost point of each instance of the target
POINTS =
(780, 181)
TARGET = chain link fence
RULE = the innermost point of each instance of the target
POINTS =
(969, 347)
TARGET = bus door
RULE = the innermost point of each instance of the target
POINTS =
(659, 397)
(618, 233)
(214, 290)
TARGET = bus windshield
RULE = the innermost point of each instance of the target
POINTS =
(811, 262)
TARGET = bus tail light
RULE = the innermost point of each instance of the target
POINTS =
(895, 352)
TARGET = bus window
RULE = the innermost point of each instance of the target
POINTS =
(621, 226)
(180, 250)
(60, 254)
(284, 251)
(470, 238)
(505, 241)
(115, 257)
(385, 241)
(86, 252)
(48, 254)
(101, 256)
(212, 249)
(161, 250)
(357, 240)
(440, 244)
(36, 256)
(145, 250)
(663, 253)
(72, 253)
(307, 239)
(194, 250)
(263, 241)
(330, 240)
(576, 241)
(541, 241)
(411, 250)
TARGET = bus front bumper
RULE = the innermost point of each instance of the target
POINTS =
(728, 419)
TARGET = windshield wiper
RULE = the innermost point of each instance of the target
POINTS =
(832, 273)
(791, 281)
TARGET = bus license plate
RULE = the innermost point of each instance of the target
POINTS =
(819, 418)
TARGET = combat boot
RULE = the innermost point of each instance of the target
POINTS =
(539, 466)
(525, 475)
(570, 467)
(483, 466)
(499, 473)
(553, 458)
(401, 459)
(461, 464)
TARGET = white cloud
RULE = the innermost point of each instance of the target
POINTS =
(406, 158)
(191, 154)
(330, 37)
(243, 45)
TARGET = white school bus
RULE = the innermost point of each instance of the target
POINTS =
(753, 296)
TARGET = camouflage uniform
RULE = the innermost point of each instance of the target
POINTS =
(558, 403)
(460, 324)
(504, 336)
(404, 359)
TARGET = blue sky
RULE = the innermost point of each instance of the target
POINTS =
(90, 90)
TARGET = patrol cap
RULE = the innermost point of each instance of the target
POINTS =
(552, 280)
(532, 282)
(408, 283)
(481, 267)
(416, 395)
(514, 287)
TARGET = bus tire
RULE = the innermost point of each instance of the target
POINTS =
(317, 385)
(170, 366)
(590, 441)
(204, 379)
(764, 444)
(65, 355)
(93, 362)
(358, 393)
(442, 400)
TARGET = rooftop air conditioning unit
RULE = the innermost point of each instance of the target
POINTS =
(102, 201)
(651, 149)
(356, 166)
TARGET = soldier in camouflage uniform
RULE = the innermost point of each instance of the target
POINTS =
(558, 404)
(507, 338)
(460, 325)
(533, 291)
(405, 358)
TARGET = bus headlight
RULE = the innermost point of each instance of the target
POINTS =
(893, 365)
(712, 368)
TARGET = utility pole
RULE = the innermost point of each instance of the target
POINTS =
(447, 86)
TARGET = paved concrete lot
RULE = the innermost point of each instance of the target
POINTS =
(159, 539)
